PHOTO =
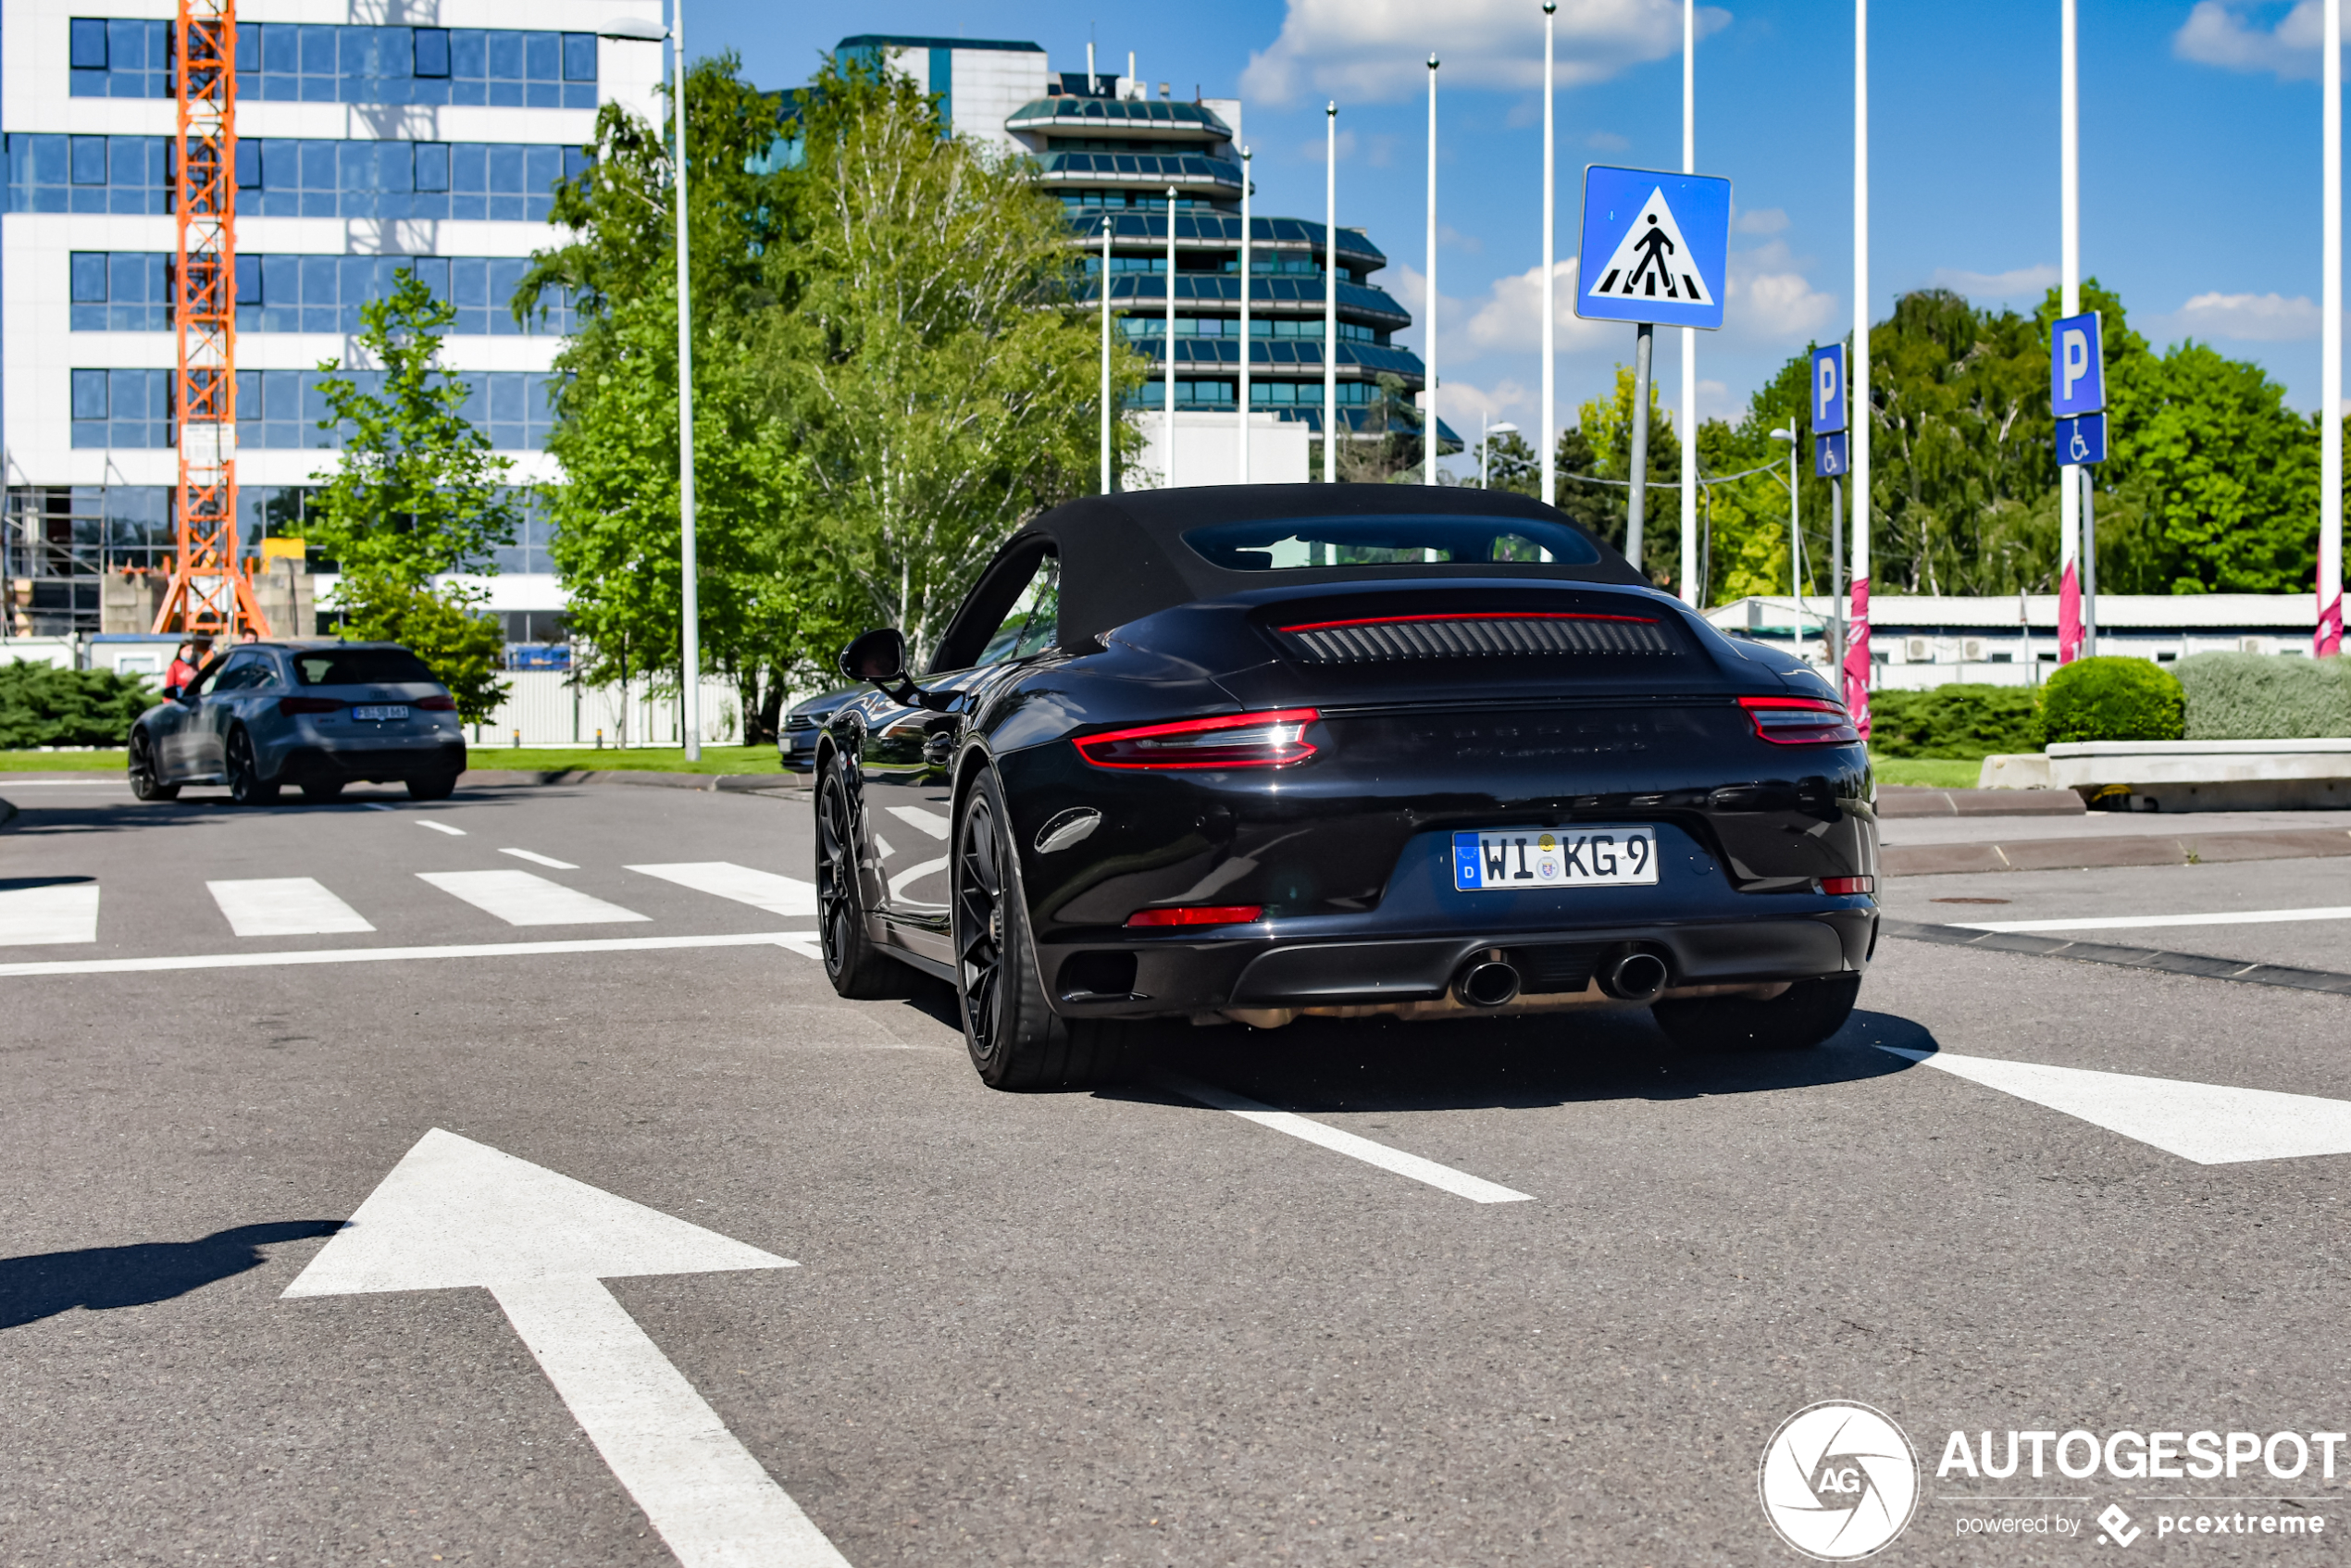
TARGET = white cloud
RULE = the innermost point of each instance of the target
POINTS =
(2014, 282)
(1461, 402)
(1449, 235)
(1377, 49)
(1761, 220)
(1511, 316)
(2249, 317)
(1771, 300)
(2225, 34)
(1316, 151)
(1598, 141)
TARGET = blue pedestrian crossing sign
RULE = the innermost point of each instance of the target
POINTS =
(1828, 389)
(1828, 456)
(2081, 440)
(1655, 247)
(2077, 367)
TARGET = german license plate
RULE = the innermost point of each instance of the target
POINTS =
(1501, 858)
(388, 711)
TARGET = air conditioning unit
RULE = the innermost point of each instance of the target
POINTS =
(2253, 644)
(1972, 650)
(1919, 650)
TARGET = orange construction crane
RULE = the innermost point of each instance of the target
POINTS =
(211, 593)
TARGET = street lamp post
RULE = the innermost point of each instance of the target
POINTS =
(1245, 340)
(1330, 294)
(1429, 439)
(688, 607)
(1485, 435)
(1550, 284)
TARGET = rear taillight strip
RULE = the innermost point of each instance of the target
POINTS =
(1800, 721)
(1258, 740)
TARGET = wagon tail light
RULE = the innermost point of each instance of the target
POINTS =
(291, 706)
(1265, 739)
(1800, 721)
(435, 705)
(1199, 914)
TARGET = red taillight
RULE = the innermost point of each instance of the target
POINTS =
(1846, 886)
(1800, 721)
(435, 705)
(308, 705)
(1199, 915)
(1272, 739)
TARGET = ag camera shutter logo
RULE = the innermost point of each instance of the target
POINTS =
(1838, 1481)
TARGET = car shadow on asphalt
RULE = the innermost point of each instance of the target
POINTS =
(1382, 1065)
(101, 1279)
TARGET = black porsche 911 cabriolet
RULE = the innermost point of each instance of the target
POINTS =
(1253, 752)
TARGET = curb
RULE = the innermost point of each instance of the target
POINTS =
(2192, 964)
(2081, 854)
(1914, 800)
(731, 783)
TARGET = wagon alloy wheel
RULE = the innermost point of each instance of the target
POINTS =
(145, 786)
(247, 787)
(979, 926)
(851, 961)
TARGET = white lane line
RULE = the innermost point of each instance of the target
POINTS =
(928, 822)
(455, 1213)
(724, 878)
(912, 874)
(378, 805)
(284, 906)
(537, 859)
(62, 912)
(520, 898)
(881, 847)
(2116, 922)
(800, 943)
(1459, 1183)
(441, 827)
(2211, 1124)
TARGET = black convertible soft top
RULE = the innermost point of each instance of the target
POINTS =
(1123, 556)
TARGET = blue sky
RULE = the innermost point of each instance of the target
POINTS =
(2200, 153)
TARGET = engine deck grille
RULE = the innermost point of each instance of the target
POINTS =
(1441, 637)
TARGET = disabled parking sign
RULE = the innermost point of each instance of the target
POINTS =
(1655, 247)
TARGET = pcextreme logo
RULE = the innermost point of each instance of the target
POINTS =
(1838, 1481)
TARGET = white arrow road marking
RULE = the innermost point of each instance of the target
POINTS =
(537, 859)
(796, 942)
(521, 899)
(724, 878)
(2106, 922)
(915, 873)
(62, 912)
(1459, 1183)
(284, 906)
(928, 822)
(2211, 1124)
(455, 1214)
(441, 827)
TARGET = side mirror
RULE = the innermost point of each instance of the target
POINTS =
(171, 693)
(878, 657)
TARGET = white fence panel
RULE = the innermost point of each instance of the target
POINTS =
(543, 708)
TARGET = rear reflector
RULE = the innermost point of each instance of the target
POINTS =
(1199, 915)
(1264, 739)
(1800, 721)
(1846, 886)
(435, 705)
(1469, 635)
(308, 705)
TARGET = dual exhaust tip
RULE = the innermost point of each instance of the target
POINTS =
(1625, 973)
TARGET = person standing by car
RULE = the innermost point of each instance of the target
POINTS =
(183, 667)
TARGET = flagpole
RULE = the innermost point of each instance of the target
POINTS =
(1330, 294)
(1245, 341)
(1856, 675)
(1550, 284)
(2070, 280)
(1107, 222)
(2329, 642)
(1167, 372)
(1693, 589)
(1430, 439)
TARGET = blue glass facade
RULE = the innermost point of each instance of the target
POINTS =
(129, 410)
(287, 177)
(289, 62)
(131, 292)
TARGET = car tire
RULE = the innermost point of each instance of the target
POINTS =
(432, 787)
(858, 969)
(247, 787)
(145, 786)
(325, 791)
(1015, 1039)
(1806, 1013)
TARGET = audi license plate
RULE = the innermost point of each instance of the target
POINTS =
(389, 711)
(1501, 858)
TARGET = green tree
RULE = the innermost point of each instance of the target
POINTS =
(938, 369)
(1512, 465)
(417, 494)
(1601, 448)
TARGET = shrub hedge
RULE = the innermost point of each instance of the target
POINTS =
(2111, 699)
(1964, 722)
(40, 705)
(2261, 697)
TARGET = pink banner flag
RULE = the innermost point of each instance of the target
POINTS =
(2329, 642)
(2069, 618)
(1857, 659)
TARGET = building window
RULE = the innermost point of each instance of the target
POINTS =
(120, 292)
(283, 408)
(118, 174)
(121, 408)
(1188, 394)
(507, 181)
(431, 52)
(110, 58)
(290, 62)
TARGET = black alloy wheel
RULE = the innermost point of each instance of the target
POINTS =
(1014, 1037)
(856, 968)
(144, 784)
(1803, 1016)
(247, 787)
(432, 787)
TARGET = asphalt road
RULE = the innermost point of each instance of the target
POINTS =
(1124, 1326)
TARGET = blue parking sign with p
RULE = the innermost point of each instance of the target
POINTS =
(1828, 389)
(2077, 367)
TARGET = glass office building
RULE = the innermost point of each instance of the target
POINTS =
(430, 145)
